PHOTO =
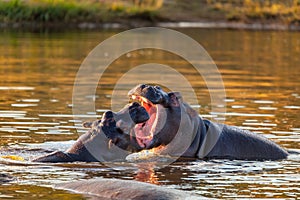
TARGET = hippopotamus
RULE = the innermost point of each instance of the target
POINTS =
(160, 120)
(174, 125)
(94, 146)
(104, 188)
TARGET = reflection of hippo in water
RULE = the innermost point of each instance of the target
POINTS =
(164, 120)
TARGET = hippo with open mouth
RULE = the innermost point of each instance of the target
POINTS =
(160, 120)
(176, 127)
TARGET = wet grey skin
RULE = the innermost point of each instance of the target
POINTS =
(230, 142)
(94, 140)
(208, 140)
(103, 188)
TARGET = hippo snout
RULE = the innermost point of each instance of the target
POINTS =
(125, 119)
(138, 113)
(108, 119)
(133, 113)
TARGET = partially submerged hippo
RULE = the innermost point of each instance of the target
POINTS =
(176, 126)
(94, 146)
(163, 120)
(102, 188)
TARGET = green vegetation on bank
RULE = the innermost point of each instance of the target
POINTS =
(66, 12)
(74, 11)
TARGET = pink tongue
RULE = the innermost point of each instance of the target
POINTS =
(142, 133)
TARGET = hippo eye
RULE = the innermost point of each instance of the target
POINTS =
(142, 86)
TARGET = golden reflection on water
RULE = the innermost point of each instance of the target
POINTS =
(146, 173)
(260, 71)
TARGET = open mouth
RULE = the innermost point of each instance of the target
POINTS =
(144, 132)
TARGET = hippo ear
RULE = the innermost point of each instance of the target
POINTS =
(90, 124)
(174, 99)
(179, 96)
(87, 124)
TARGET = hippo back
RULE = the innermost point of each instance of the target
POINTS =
(236, 143)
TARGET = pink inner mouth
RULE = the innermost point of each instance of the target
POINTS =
(144, 132)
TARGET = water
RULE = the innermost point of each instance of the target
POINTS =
(261, 75)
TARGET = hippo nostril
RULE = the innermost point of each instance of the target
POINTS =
(157, 87)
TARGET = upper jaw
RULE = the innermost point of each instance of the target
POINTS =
(148, 93)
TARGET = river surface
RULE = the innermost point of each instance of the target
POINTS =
(261, 74)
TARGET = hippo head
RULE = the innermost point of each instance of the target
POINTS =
(165, 111)
(155, 120)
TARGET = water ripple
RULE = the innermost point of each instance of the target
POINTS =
(23, 105)
(242, 114)
(70, 116)
(16, 88)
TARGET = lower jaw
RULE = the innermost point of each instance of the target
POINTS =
(144, 142)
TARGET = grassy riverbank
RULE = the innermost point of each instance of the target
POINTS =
(60, 12)
(74, 11)
(280, 11)
(246, 11)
